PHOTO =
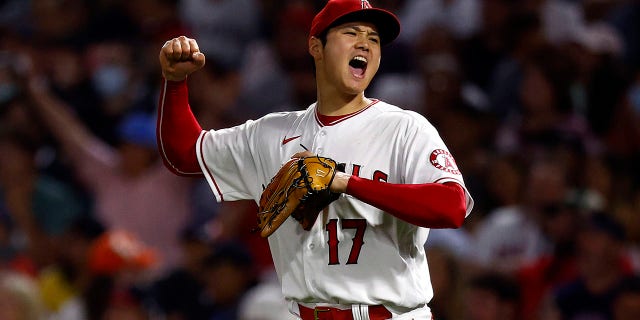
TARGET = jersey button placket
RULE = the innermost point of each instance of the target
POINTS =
(320, 140)
(312, 256)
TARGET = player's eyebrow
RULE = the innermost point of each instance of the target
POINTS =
(359, 29)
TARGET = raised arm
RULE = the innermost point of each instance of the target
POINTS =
(74, 137)
(178, 130)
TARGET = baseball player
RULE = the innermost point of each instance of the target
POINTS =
(364, 257)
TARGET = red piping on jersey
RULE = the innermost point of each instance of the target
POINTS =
(324, 120)
(177, 130)
(429, 205)
(213, 179)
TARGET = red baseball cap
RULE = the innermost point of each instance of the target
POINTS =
(340, 11)
(119, 250)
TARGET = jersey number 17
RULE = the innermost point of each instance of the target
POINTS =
(360, 225)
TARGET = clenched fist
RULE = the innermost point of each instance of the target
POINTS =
(180, 57)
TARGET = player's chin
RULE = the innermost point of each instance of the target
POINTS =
(354, 90)
(356, 85)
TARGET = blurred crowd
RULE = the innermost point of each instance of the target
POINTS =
(538, 100)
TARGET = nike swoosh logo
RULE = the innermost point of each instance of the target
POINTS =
(287, 140)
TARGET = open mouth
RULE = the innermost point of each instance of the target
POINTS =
(358, 66)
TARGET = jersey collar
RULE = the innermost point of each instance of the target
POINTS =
(326, 121)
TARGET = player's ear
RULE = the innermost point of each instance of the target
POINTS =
(315, 47)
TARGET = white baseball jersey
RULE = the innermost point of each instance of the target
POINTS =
(355, 253)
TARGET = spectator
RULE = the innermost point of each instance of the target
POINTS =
(602, 269)
(484, 49)
(560, 226)
(599, 85)
(39, 207)
(64, 280)
(545, 120)
(511, 236)
(113, 265)
(558, 78)
(522, 37)
(130, 187)
(119, 83)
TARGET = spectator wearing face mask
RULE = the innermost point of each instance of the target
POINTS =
(130, 188)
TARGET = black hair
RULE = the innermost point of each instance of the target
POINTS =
(323, 36)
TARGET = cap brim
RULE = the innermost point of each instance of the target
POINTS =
(386, 22)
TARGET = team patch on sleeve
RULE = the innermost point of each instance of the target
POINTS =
(443, 160)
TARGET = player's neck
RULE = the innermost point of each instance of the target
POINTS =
(338, 105)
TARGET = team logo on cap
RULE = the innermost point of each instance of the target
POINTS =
(443, 160)
(365, 4)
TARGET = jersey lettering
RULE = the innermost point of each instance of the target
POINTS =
(360, 225)
(356, 170)
(377, 175)
(332, 229)
(380, 176)
(358, 238)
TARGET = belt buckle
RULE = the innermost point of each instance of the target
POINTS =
(316, 311)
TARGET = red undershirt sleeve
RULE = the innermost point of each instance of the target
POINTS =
(429, 205)
(177, 130)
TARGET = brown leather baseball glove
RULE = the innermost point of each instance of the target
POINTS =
(300, 189)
